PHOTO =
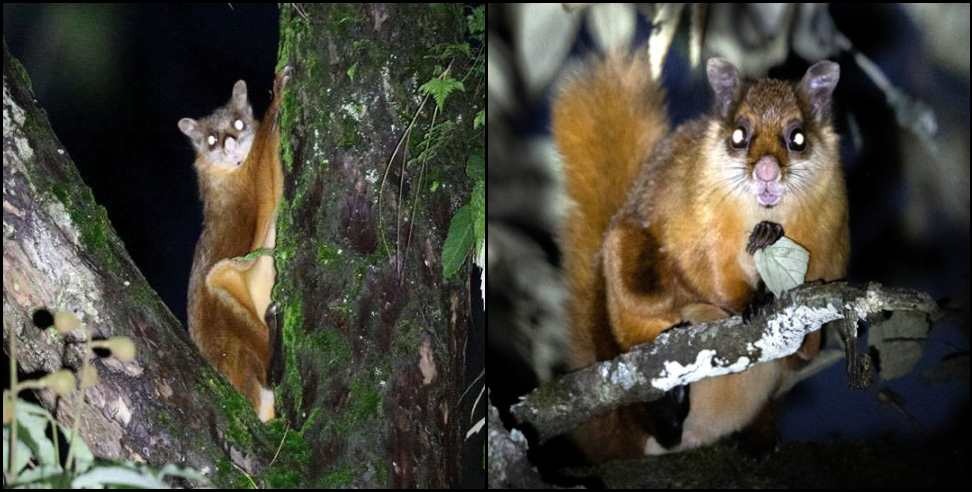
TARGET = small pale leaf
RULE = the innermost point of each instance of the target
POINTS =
(782, 265)
(475, 428)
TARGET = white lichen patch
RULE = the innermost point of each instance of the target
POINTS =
(120, 411)
(707, 364)
(621, 374)
(371, 176)
(355, 110)
(386, 85)
(862, 306)
(12, 113)
(317, 154)
(59, 215)
(518, 437)
(784, 334)
(131, 368)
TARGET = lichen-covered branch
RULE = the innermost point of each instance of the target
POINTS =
(684, 355)
(509, 466)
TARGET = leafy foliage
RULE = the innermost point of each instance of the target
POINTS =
(467, 229)
(440, 88)
(35, 437)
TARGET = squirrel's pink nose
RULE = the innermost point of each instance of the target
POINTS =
(767, 169)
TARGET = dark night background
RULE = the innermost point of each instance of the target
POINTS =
(115, 79)
(908, 227)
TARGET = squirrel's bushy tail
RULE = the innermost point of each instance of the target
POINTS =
(605, 120)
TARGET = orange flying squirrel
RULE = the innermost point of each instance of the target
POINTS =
(663, 225)
(240, 183)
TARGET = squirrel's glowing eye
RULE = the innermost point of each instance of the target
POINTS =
(797, 141)
(211, 140)
(238, 124)
(739, 138)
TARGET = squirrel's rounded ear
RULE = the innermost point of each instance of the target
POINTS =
(188, 126)
(239, 93)
(817, 87)
(724, 79)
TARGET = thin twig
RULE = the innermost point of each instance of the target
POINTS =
(300, 11)
(11, 472)
(473, 382)
(279, 447)
(245, 474)
(384, 177)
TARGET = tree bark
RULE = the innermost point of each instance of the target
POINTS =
(374, 337)
(61, 253)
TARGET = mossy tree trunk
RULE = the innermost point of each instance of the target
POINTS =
(374, 336)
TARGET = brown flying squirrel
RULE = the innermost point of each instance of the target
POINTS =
(663, 225)
(240, 183)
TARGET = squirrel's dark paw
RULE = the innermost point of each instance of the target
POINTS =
(667, 415)
(764, 234)
(276, 367)
(760, 299)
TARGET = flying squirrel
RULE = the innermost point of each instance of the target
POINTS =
(664, 223)
(240, 184)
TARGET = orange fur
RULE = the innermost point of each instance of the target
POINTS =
(229, 295)
(657, 236)
(617, 100)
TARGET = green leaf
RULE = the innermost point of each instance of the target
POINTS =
(83, 458)
(440, 88)
(475, 167)
(24, 453)
(782, 265)
(446, 51)
(252, 255)
(117, 475)
(477, 20)
(32, 427)
(353, 70)
(47, 474)
(458, 241)
(480, 119)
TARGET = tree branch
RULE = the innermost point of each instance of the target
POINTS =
(685, 355)
(509, 466)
